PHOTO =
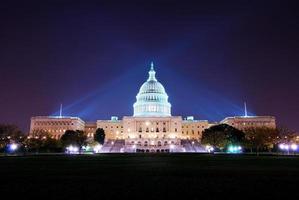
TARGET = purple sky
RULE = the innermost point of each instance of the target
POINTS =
(93, 57)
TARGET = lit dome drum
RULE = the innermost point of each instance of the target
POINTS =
(152, 100)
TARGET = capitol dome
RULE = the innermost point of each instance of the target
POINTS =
(152, 100)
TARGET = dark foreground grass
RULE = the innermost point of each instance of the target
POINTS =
(150, 176)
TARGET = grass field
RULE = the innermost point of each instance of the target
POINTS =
(109, 176)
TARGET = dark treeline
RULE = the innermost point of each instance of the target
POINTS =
(41, 141)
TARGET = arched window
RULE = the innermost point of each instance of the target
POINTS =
(164, 129)
(157, 130)
(140, 129)
(147, 130)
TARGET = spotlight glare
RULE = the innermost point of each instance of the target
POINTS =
(13, 147)
(294, 147)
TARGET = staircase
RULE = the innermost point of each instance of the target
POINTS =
(192, 146)
(118, 146)
(113, 146)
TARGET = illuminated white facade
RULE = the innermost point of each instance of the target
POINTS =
(152, 99)
(150, 129)
(56, 125)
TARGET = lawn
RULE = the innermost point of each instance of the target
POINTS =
(127, 176)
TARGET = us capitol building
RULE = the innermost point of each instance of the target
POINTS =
(152, 128)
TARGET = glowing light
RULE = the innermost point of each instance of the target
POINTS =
(234, 149)
(209, 148)
(287, 147)
(294, 147)
(97, 148)
(13, 147)
(147, 123)
(281, 146)
(72, 149)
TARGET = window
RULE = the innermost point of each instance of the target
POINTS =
(147, 129)
(157, 130)
(159, 143)
(140, 129)
(176, 130)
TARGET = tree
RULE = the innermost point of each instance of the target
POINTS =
(222, 135)
(286, 135)
(41, 141)
(51, 145)
(33, 144)
(71, 137)
(9, 133)
(99, 136)
(260, 138)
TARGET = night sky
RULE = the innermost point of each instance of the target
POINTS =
(93, 56)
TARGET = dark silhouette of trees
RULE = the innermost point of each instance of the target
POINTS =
(222, 135)
(261, 138)
(10, 133)
(71, 137)
(99, 136)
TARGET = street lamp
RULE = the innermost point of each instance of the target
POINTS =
(13, 147)
(288, 147)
